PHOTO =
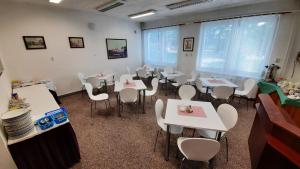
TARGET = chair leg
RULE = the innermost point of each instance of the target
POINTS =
(106, 106)
(247, 104)
(226, 140)
(181, 164)
(95, 105)
(157, 133)
(92, 109)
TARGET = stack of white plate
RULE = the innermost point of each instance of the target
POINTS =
(17, 123)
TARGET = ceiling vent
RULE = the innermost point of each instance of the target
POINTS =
(186, 3)
(109, 5)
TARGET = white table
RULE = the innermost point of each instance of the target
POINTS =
(149, 70)
(169, 76)
(212, 121)
(206, 83)
(139, 86)
(104, 77)
(41, 101)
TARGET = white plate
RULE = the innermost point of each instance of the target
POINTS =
(13, 114)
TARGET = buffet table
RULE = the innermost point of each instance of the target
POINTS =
(54, 148)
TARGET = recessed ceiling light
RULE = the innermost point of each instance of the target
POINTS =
(142, 14)
(55, 1)
(261, 23)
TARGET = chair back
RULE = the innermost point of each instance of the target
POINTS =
(228, 114)
(159, 108)
(169, 70)
(89, 90)
(186, 92)
(222, 92)
(94, 81)
(199, 149)
(198, 84)
(182, 79)
(142, 73)
(128, 95)
(154, 84)
(250, 87)
(81, 78)
(125, 77)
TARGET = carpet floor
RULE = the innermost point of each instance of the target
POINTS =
(107, 141)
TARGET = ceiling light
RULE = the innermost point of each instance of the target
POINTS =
(55, 1)
(142, 14)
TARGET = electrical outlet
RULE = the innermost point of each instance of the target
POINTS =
(277, 60)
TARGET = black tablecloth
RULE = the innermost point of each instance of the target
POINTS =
(54, 149)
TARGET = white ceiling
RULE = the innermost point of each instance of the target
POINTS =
(135, 6)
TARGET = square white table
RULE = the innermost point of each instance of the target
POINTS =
(169, 76)
(139, 86)
(206, 83)
(103, 76)
(212, 121)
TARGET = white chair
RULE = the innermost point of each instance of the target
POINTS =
(194, 76)
(125, 77)
(169, 69)
(128, 95)
(159, 107)
(142, 74)
(197, 149)
(82, 79)
(179, 80)
(200, 88)
(94, 98)
(95, 82)
(129, 72)
(152, 92)
(186, 92)
(249, 92)
(222, 93)
(229, 116)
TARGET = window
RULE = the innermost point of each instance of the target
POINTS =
(160, 46)
(239, 47)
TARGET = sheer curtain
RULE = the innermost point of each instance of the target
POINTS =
(161, 46)
(239, 47)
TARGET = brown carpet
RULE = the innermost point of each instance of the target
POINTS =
(110, 142)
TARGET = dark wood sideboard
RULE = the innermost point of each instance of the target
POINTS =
(274, 140)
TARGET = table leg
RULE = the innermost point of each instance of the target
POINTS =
(144, 100)
(118, 104)
(166, 80)
(140, 97)
(105, 85)
(218, 135)
(207, 90)
(167, 143)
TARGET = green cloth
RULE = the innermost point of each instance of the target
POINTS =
(266, 88)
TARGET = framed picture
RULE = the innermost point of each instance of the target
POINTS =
(116, 48)
(76, 42)
(188, 44)
(34, 42)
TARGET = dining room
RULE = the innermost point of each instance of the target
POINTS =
(149, 84)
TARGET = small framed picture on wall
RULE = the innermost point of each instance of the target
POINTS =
(76, 42)
(188, 44)
(116, 48)
(34, 42)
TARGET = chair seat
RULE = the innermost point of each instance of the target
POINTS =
(100, 97)
(215, 97)
(240, 92)
(173, 129)
(149, 92)
(176, 84)
(123, 101)
(208, 133)
(162, 81)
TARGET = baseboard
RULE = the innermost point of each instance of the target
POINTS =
(69, 94)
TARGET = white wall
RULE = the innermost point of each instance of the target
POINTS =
(283, 40)
(6, 161)
(56, 25)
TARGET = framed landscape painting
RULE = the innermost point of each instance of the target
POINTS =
(34, 42)
(188, 44)
(76, 42)
(116, 48)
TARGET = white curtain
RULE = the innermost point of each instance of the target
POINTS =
(161, 46)
(239, 47)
